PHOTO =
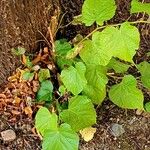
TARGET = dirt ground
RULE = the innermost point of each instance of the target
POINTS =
(136, 124)
(135, 137)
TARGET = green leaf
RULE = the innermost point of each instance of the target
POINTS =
(96, 86)
(118, 66)
(102, 43)
(62, 90)
(127, 42)
(126, 94)
(55, 138)
(97, 10)
(137, 7)
(62, 47)
(64, 138)
(62, 62)
(80, 113)
(74, 78)
(27, 75)
(45, 91)
(121, 43)
(18, 51)
(147, 106)
(144, 68)
(44, 120)
(28, 62)
(43, 74)
(93, 53)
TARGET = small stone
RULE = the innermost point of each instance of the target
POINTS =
(117, 130)
(36, 67)
(139, 112)
(8, 135)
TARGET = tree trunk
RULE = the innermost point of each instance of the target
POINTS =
(20, 23)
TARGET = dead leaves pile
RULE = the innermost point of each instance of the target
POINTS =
(18, 97)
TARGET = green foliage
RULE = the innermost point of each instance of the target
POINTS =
(127, 41)
(118, 66)
(137, 7)
(97, 10)
(18, 51)
(43, 74)
(94, 51)
(96, 83)
(111, 42)
(55, 137)
(144, 69)
(147, 106)
(28, 62)
(85, 68)
(62, 47)
(64, 138)
(44, 120)
(45, 91)
(62, 89)
(122, 42)
(126, 94)
(80, 113)
(27, 75)
(74, 78)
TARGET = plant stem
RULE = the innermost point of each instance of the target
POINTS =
(113, 25)
(112, 75)
(77, 51)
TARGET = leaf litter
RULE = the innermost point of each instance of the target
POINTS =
(17, 103)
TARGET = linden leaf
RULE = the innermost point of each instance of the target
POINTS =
(45, 91)
(96, 83)
(43, 74)
(118, 66)
(147, 106)
(144, 68)
(44, 120)
(97, 10)
(126, 94)
(121, 43)
(127, 42)
(62, 47)
(27, 75)
(73, 78)
(64, 138)
(80, 113)
(55, 137)
(137, 7)
(90, 50)
(87, 133)
(62, 90)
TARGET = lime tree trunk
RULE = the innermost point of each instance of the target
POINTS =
(20, 23)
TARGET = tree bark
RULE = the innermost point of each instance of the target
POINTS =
(20, 21)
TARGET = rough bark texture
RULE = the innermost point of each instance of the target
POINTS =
(20, 21)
